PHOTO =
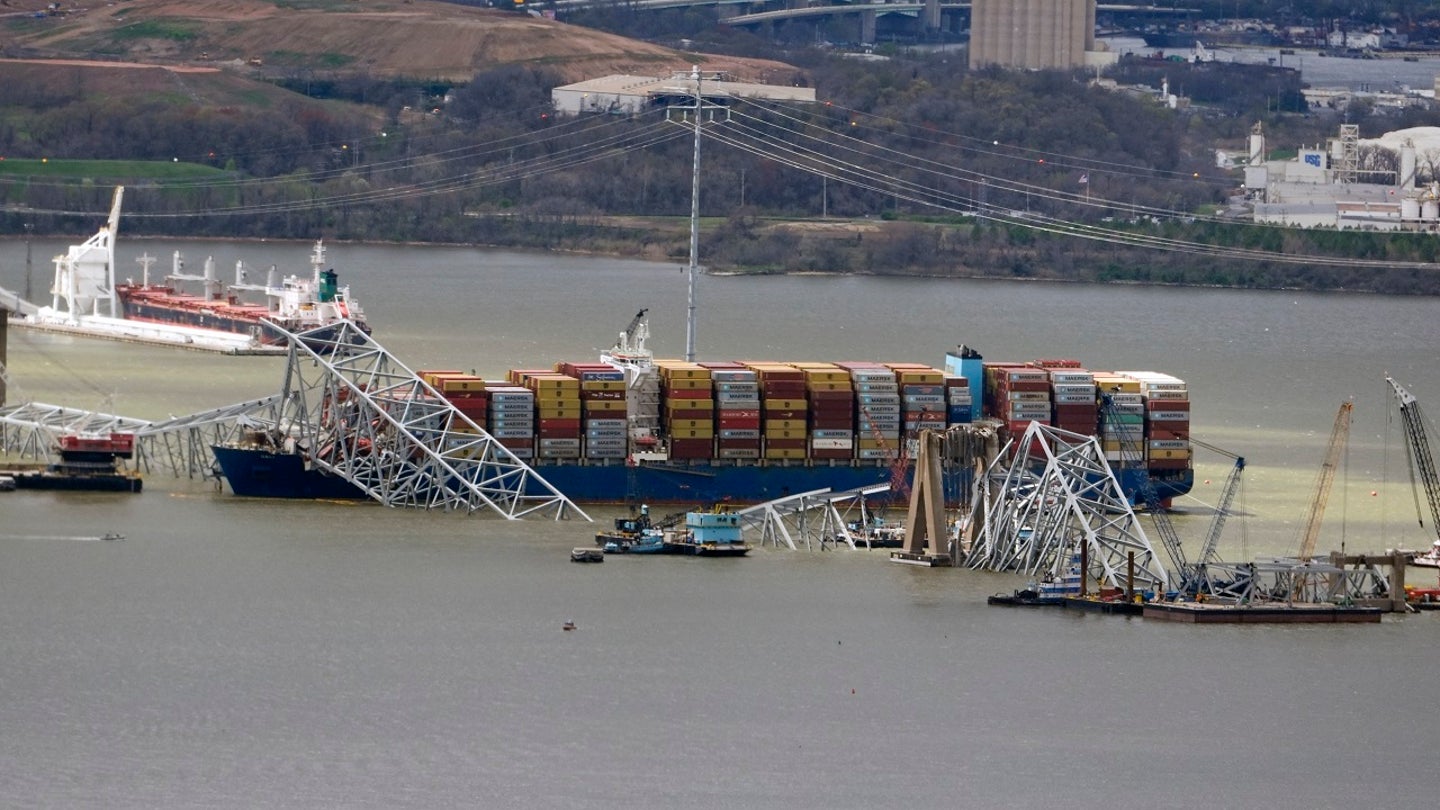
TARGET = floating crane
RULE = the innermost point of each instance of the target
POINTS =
(1222, 507)
(1339, 436)
(1417, 450)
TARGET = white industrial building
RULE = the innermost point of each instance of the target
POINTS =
(627, 95)
(1320, 187)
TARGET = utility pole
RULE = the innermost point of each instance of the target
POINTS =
(697, 109)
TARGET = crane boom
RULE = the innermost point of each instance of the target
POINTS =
(1222, 507)
(1339, 435)
(1417, 449)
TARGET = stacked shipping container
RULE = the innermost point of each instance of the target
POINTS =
(737, 411)
(818, 411)
(687, 402)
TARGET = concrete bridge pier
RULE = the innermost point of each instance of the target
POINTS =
(867, 28)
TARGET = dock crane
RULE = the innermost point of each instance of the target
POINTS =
(1417, 450)
(1339, 435)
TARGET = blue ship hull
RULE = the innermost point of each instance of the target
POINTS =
(254, 472)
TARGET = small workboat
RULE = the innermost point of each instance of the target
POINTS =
(587, 555)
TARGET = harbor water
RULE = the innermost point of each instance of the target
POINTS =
(244, 653)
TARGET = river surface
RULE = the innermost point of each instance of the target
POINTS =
(243, 653)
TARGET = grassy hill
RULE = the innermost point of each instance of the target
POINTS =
(413, 38)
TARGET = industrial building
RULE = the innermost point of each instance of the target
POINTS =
(628, 95)
(1321, 187)
(1034, 34)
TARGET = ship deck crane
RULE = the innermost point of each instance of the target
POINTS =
(1417, 451)
(1339, 436)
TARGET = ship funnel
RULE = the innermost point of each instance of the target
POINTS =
(240, 273)
(272, 278)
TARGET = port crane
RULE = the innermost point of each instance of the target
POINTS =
(1417, 450)
(1339, 436)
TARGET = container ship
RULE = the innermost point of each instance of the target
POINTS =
(634, 429)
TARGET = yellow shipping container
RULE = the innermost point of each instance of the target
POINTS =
(1111, 383)
(552, 397)
(689, 404)
(688, 383)
(785, 452)
(602, 385)
(784, 433)
(693, 433)
(785, 424)
(559, 413)
(1172, 455)
(597, 405)
(681, 370)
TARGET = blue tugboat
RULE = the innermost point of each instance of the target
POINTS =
(709, 534)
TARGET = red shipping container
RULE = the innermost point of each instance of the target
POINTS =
(692, 448)
(1167, 404)
(832, 454)
(738, 422)
(561, 424)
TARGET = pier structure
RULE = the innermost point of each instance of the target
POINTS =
(1054, 495)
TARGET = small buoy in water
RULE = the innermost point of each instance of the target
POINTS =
(852, 691)
(568, 626)
(1373, 493)
(1207, 480)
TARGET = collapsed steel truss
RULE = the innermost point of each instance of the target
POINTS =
(179, 446)
(351, 408)
(813, 519)
(1055, 493)
(357, 412)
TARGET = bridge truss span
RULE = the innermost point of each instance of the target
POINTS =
(359, 413)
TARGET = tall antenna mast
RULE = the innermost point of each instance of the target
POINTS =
(694, 269)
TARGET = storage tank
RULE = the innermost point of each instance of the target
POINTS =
(1410, 209)
(1430, 210)
(1407, 166)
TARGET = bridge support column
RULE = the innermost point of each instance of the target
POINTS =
(930, 17)
(867, 28)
